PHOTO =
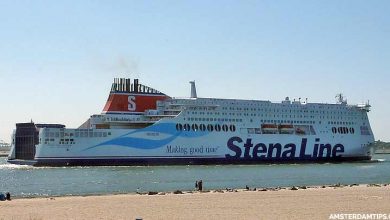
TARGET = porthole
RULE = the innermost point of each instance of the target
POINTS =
(194, 127)
(179, 127)
(339, 130)
(224, 127)
(202, 127)
(210, 127)
(334, 130)
(186, 127)
(232, 128)
(218, 127)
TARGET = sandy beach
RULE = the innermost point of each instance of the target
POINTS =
(310, 203)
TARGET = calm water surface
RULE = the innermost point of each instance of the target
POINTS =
(26, 181)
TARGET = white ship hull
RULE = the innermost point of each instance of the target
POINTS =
(162, 144)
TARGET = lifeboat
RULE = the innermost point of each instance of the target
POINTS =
(286, 129)
(300, 131)
(269, 128)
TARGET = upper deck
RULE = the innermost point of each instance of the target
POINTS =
(133, 106)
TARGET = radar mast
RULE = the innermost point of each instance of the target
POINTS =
(340, 99)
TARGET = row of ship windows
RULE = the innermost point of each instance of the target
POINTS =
(290, 111)
(257, 103)
(288, 121)
(52, 139)
(266, 112)
(203, 127)
(268, 121)
(85, 133)
(219, 113)
(92, 134)
(343, 130)
(215, 119)
(332, 111)
(340, 123)
(286, 116)
(62, 141)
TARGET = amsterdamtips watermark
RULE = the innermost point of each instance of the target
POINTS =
(347, 216)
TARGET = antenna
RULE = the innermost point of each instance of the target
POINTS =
(340, 99)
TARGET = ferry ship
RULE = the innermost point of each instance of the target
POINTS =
(140, 125)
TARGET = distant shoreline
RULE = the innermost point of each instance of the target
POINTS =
(382, 151)
(312, 202)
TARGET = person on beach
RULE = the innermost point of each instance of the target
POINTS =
(8, 196)
(200, 185)
(2, 197)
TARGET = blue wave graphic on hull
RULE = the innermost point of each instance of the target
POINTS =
(139, 143)
(143, 143)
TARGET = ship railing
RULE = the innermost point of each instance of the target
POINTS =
(200, 107)
(146, 119)
(162, 112)
(177, 108)
(160, 116)
(114, 119)
(173, 110)
(193, 104)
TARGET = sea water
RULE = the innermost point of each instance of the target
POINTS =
(27, 181)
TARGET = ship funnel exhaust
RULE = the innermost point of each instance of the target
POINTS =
(193, 89)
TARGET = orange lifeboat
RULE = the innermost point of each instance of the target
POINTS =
(286, 128)
(269, 128)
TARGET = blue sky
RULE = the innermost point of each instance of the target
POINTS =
(58, 58)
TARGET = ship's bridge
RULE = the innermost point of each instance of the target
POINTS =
(364, 106)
